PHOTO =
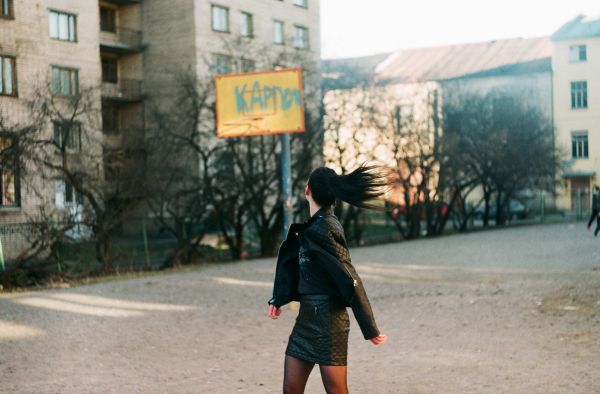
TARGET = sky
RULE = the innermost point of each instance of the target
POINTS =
(352, 28)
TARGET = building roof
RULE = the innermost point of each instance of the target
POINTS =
(580, 27)
(350, 72)
(455, 61)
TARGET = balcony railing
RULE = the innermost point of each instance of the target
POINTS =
(128, 90)
(121, 40)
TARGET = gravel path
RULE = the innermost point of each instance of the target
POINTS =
(504, 311)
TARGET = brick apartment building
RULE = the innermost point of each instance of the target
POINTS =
(132, 50)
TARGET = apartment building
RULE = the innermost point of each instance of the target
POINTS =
(133, 51)
(223, 36)
(49, 44)
(576, 97)
(419, 82)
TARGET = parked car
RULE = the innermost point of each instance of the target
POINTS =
(517, 210)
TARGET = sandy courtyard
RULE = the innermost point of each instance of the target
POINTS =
(506, 311)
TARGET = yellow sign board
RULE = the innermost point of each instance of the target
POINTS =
(259, 103)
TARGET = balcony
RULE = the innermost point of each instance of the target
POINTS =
(122, 40)
(125, 91)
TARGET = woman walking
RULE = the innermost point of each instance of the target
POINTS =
(313, 267)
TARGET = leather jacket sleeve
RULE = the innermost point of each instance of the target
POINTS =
(326, 242)
(285, 285)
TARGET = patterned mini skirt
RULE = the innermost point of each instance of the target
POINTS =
(320, 334)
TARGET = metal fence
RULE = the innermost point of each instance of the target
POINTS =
(142, 244)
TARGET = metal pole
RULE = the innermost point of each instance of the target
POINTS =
(286, 182)
(543, 208)
(145, 234)
(2, 256)
(579, 213)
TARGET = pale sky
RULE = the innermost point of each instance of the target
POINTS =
(363, 27)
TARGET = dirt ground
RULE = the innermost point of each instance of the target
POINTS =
(503, 311)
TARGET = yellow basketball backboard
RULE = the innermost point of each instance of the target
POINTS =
(267, 102)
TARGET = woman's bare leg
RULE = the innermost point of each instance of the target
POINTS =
(334, 379)
(295, 375)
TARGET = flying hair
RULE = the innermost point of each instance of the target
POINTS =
(359, 188)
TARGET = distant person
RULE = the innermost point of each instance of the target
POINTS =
(595, 210)
(313, 267)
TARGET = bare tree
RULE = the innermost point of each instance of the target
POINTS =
(354, 125)
(235, 181)
(500, 144)
(69, 153)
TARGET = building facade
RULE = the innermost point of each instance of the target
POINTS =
(418, 83)
(129, 53)
(576, 99)
(44, 45)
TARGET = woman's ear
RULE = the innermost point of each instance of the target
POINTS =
(307, 190)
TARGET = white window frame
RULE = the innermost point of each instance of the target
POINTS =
(246, 24)
(278, 32)
(9, 179)
(6, 9)
(8, 76)
(301, 3)
(65, 81)
(62, 26)
(579, 94)
(66, 197)
(577, 53)
(301, 37)
(219, 57)
(580, 145)
(219, 18)
(73, 144)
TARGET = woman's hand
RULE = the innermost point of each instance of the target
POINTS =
(274, 312)
(379, 339)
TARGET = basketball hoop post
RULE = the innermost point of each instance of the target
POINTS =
(263, 103)
(286, 182)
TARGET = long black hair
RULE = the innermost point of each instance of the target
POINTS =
(357, 188)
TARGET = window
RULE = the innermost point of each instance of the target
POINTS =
(6, 9)
(110, 69)
(8, 80)
(62, 26)
(301, 3)
(220, 18)
(579, 145)
(9, 181)
(65, 81)
(72, 196)
(67, 136)
(579, 94)
(247, 65)
(300, 37)
(278, 32)
(222, 63)
(246, 27)
(65, 194)
(110, 118)
(108, 19)
(577, 53)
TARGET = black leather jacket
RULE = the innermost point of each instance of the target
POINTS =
(323, 238)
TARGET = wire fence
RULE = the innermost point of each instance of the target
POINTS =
(142, 244)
